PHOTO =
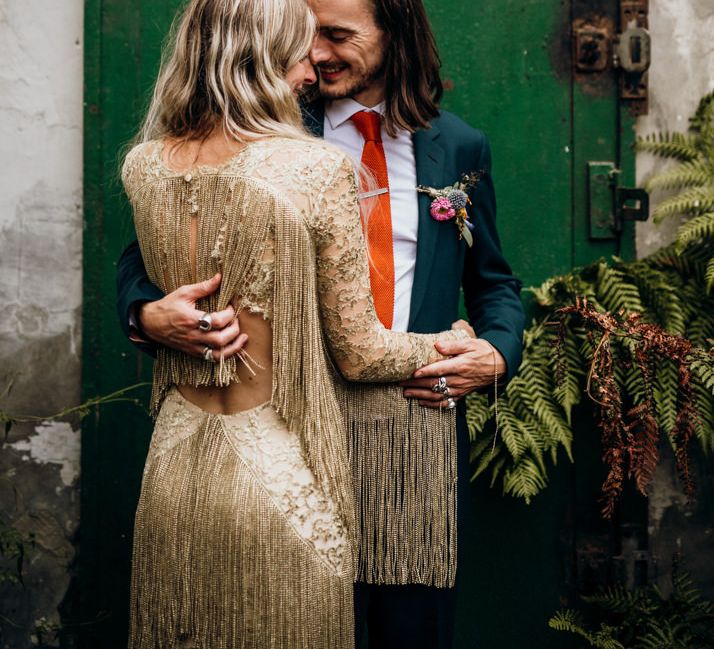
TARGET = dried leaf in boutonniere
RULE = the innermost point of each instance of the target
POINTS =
(450, 203)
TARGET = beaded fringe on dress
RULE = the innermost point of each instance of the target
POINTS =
(239, 216)
(210, 556)
(233, 242)
(404, 465)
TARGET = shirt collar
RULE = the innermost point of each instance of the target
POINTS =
(339, 111)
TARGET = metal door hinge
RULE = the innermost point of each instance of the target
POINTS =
(611, 206)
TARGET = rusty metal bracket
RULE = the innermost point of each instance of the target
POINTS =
(632, 54)
(592, 48)
(599, 46)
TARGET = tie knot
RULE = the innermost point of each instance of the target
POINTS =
(368, 123)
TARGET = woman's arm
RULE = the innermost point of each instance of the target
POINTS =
(361, 347)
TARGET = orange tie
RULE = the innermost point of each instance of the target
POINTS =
(379, 228)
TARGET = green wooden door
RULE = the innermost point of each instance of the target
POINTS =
(508, 66)
(122, 47)
(508, 69)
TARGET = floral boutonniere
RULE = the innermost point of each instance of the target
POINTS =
(450, 203)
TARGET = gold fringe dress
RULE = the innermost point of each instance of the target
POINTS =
(245, 528)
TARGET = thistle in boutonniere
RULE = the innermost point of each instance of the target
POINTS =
(450, 203)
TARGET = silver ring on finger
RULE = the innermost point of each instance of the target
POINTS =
(451, 403)
(440, 386)
(205, 322)
(208, 354)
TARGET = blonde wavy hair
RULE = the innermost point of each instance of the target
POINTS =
(225, 67)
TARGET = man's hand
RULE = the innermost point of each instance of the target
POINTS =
(173, 322)
(471, 368)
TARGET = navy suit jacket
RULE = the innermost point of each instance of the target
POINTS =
(444, 264)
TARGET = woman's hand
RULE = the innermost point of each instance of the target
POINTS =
(464, 326)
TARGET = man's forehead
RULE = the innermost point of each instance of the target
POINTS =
(342, 13)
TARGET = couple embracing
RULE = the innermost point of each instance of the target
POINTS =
(308, 468)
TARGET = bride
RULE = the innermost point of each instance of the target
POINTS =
(244, 527)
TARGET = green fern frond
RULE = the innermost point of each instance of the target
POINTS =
(543, 294)
(617, 599)
(497, 467)
(695, 230)
(703, 118)
(511, 431)
(672, 634)
(709, 275)
(666, 388)
(695, 300)
(483, 454)
(535, 384)
(659, 296)
(478, 413)
(566, 620)
(550, 417)
(644, 619)
(524, 479)
(667, 258)
(563, 289)
(569, 393)
(616, 293)
(570, 621)
(670, 145)
(687, 174)
(703, 369)
(634, 385)
(690, 202)
(686, 592)
(701, 328)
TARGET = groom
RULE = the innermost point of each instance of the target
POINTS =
(379, 56)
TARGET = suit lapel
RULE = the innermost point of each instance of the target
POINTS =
(429, 157)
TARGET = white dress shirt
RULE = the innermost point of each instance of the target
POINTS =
(401, 169)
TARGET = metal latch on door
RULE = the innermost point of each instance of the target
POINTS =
(631, 50)
(597, 48)
(610, 206)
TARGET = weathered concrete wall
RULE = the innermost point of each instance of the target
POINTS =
(682, 71)
(40, 294)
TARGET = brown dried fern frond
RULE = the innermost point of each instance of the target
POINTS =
(630, 435)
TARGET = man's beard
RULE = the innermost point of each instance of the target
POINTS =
(356, 86)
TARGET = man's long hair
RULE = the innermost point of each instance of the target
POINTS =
(413, 86)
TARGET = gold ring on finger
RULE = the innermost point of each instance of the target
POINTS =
(205, 322)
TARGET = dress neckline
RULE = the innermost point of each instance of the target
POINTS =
(203, 168)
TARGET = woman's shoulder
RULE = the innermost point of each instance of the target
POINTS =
(141, 164)
(298, 166)
(309, 153)
(142, 151)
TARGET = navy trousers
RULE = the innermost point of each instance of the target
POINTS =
(411, 616)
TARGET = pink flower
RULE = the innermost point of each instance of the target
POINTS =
(442, 210)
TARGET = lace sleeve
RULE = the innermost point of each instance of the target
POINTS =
(362, 348)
